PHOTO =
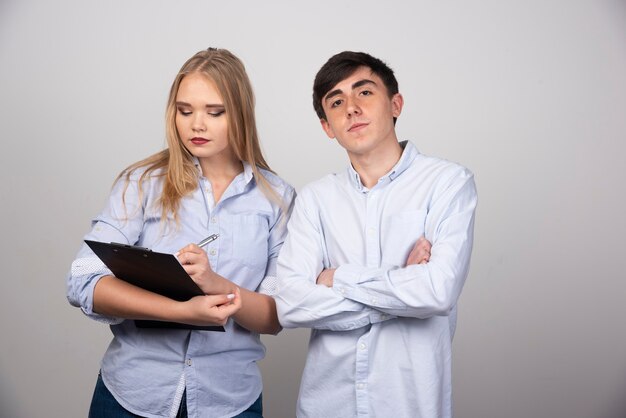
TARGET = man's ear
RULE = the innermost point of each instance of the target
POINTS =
(397, 101)
(326, 127)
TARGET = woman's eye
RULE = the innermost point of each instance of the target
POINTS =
(217, 114)
(184, 112)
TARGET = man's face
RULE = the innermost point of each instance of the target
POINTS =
(359, 113)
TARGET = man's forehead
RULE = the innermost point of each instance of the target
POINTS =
(359, 72)
(360, 76)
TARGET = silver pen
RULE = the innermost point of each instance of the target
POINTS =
(208, 239)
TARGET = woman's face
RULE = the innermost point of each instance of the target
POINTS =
(201, 120)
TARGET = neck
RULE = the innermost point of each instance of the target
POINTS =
(220, 169)
(373, 165)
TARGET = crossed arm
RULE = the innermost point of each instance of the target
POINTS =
(317, 295)
(420, 254)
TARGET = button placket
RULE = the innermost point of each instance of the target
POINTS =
(372, 231)
(362, 375)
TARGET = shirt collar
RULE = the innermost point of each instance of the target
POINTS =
(409, 152)
(408, 155)
(248, 174)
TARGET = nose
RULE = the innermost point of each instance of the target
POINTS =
(198, 125)
(352, 107)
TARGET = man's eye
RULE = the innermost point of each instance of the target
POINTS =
(336, 103)
(366, 92)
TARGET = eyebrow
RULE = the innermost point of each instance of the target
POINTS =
(354, 86)
(208, 106)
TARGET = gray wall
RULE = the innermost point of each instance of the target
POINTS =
(530, 95)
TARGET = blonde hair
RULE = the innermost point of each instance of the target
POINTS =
(180, 173)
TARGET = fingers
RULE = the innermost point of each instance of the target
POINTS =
(198, 268)
(326, 277)
(189, 248)
(423, 247)
(224, 305)
(236, 301)
(424, 244)
(219, 300)
(191, 256)
(420, 253)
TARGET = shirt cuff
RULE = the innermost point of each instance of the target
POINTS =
(346, 281)
(268, 286)
(95, 269)
(348, 276)
(87, 308)
(351, 281)
(378, 316)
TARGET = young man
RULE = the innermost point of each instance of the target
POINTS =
(355, 266)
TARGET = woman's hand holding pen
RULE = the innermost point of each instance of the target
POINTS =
(222, 298)
(196, 263)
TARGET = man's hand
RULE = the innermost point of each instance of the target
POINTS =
(420, 254)
(326, 277)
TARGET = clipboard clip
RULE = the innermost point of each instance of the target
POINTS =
(130, 247)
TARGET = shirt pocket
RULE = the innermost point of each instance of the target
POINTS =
(250, 241)
(399, 233)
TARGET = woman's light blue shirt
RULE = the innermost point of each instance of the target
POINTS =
(148, 369)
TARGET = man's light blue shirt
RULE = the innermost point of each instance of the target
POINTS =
(381, 336)
(148, 369)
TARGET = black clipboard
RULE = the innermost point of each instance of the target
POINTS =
(157, 272)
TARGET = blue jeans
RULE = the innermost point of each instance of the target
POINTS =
(104, 405)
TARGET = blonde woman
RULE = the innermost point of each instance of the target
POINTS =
(211, 179)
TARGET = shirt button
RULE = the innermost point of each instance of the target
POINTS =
(373, 300)
(371, 231)
(360, 386)
(213, 252)
(213, 220)
(188, 362)
(362, 346)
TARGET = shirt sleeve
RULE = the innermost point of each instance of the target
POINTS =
(301, 302)
(278, 232)
(121, 221)
(430, 289)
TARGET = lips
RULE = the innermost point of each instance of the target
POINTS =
(357, 126)
(199, 141)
